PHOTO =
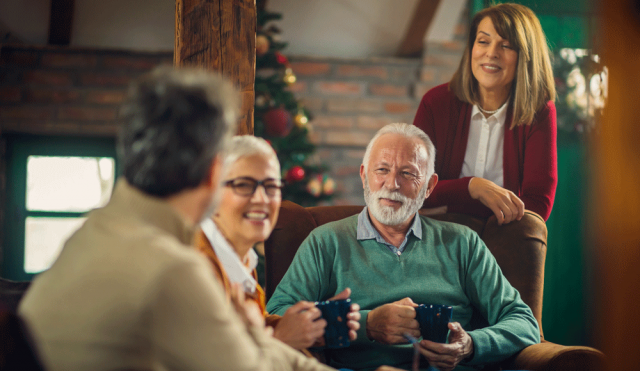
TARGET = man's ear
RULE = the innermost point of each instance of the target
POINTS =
(362, 174)
(432, 184)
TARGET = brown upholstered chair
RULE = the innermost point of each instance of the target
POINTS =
(519, 247)
(11, 292)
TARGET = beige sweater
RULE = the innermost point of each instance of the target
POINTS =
(128, 292)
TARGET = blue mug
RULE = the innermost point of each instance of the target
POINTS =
(336, 334)
(434, 320)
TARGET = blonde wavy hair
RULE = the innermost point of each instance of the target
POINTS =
(533, 85)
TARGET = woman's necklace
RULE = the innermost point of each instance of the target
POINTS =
(487, 112)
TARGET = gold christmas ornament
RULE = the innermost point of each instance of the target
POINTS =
(289, 77)
(314, 187)
(262, 45)
(329, 186)
(300, 119)
(261, 101)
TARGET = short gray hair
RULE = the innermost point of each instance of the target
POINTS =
(176, 121)
(247, 145)
(408, 131)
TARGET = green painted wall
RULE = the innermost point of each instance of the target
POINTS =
(567, 23)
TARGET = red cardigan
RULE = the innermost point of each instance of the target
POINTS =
(530, 155)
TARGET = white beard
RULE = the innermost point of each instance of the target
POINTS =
(387, 215)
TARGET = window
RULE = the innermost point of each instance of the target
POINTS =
(51, 183)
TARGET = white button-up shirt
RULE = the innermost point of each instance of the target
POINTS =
(236, 270)
(485, 146)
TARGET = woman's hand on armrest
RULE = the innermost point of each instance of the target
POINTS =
(506, 206)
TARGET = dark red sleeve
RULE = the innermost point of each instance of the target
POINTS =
(540, 172)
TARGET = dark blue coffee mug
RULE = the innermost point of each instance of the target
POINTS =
(336, 334)
(434, 320)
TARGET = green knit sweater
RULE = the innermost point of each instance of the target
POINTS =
(450, 265)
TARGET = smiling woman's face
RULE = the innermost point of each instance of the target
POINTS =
(493, 61)
(247, 220)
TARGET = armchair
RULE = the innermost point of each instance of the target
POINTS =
(519, 248)
(11, 293)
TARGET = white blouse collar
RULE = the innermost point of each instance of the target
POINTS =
(236, 270)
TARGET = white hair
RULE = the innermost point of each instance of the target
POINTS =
(241, 146)
(408, 131)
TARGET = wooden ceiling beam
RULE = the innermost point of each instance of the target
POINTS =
(413, 41)
(60, 22)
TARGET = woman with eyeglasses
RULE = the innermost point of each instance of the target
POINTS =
(247, 210)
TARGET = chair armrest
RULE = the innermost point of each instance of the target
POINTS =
(551, 356)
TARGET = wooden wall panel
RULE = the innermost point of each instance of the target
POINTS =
(220, 35)
(238, 45)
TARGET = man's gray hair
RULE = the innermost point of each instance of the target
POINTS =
(176, 121)
(247, 145)
(409, 131)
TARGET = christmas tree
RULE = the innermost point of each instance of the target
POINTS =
(282, 120)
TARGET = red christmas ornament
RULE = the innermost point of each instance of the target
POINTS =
(295, 174)
(281, 58)
(277, 122)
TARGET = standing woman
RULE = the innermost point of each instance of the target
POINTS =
(494, 123)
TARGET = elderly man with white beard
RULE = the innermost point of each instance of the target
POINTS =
(394, 259)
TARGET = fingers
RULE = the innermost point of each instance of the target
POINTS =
(456, 331)
(406, 301)
(441, 356)
(508, 209)
(498, 213)
(447, 356)
(387, 323)
(305, 309)
(354, 313)
(519, 206)
(354, 326)
(504, 204)
(355, 308)
(344, 294)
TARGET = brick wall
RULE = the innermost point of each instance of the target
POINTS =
(351, 99)
(54, 90)
(63, 91)
(71, 91)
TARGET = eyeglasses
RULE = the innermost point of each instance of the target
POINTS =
(246, 186)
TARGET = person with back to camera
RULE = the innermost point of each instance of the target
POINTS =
(494, 123)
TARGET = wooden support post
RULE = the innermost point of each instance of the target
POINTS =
(413, 41)
(615, 222)
(60, 22)
(220, 35)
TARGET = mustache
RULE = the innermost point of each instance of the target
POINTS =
(391, 195)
